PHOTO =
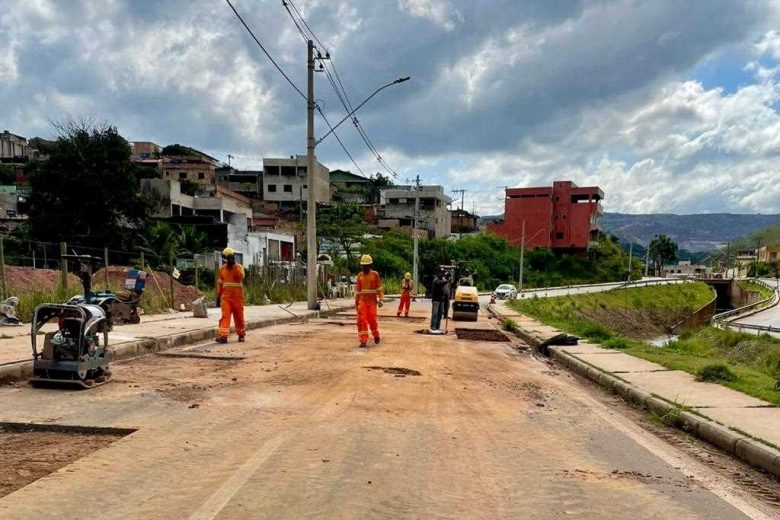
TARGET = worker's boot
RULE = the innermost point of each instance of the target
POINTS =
(221, 339)
(241, 339)
(376, 341)
(363, 345)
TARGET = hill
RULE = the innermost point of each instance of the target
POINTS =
(766, 237)
(699, 232)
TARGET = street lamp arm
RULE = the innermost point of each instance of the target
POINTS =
(333, 128)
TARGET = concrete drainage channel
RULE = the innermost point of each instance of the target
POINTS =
(41, 449)
(740, 446)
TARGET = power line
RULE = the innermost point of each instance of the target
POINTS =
(339, 140)
(265, 51)
(340, 91)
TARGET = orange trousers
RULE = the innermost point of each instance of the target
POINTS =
(235, 308)
(366, 318)
(403, 306)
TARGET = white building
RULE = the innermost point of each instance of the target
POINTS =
(218, 202)
(397, 209)
(285, 180)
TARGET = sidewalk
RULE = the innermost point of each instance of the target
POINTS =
(155, 332)
(745, 426)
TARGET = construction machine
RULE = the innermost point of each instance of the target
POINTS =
(464, 296)
(75, 335)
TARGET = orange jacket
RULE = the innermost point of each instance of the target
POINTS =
(230, 283)
(368, 288)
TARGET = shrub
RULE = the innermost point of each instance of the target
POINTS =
(510, 325)
(596, 332)
(715, 372)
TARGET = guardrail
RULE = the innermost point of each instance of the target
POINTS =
(723, 319)
(608, 286)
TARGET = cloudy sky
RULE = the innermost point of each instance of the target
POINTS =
(668, 105)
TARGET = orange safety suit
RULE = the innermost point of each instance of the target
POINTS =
(230, 291)
(368, 292)
(407, 286)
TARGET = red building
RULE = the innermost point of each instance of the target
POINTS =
(564, 216)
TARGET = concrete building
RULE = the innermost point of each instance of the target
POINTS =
(397, 209)
(685, 269)
(350, 187)
(196, 167)
(463, 221)
(146, 153)
(246, 182)
(563, 216)
(768, 254)
(13, 148)
(285, 180)
(221, 204)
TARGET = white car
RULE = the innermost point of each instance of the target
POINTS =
(505, 291)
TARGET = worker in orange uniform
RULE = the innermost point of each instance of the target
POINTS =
(230, 296)
(368, 295)
(407, 288)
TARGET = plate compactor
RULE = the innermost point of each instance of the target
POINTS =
(75, 346)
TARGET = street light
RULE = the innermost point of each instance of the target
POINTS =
(311, 144)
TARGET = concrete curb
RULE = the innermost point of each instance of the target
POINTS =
(740, 446)
(132, 349)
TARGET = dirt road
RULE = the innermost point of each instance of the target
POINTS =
(309, 426)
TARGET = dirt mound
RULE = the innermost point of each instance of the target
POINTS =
(636, 323)
(20, 280)
(158, 284)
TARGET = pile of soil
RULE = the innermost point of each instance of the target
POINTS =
(637, 323)
(21, 280)
(156, 282)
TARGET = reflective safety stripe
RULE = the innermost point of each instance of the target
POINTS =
(231, 284)
(367, 291)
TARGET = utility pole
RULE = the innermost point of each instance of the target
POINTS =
(311, 209)
(460, 220)
(414, 231)
(630, 256)
(647, 260)
(229, 157)
(522, 253)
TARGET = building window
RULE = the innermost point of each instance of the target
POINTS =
(201, 175)
(559, 235)
(272, 188)
(288, 188)
(182, 176)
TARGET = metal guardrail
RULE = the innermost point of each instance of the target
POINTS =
(723, 319)
(608, 286)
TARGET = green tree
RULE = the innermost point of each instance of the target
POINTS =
(7, 174)
(375, 186)
(177, 149)
(86, 192)
(662, 250)
(344, 225)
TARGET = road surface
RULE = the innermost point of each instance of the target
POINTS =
(309, 426)
(764, 319)
(545, 292)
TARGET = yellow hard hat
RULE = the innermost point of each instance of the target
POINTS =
(228, 252)
(408, 276)
(366, 260)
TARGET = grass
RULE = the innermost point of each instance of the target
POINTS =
(510, 325)
(751, 286)
(715, 372)
(753, 360)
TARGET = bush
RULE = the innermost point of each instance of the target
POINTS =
(715, 372)
(510, 325)
(596, 332)
(616, 343)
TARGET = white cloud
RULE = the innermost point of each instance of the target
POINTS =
(440, 12)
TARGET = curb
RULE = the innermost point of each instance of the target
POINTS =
(737, 445)
(132, 349)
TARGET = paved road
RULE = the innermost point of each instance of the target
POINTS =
(308, 426)
(582, 289)
(767, 318)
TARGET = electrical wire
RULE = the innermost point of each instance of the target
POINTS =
(340, 91)
(268, 55)
(339, 140)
